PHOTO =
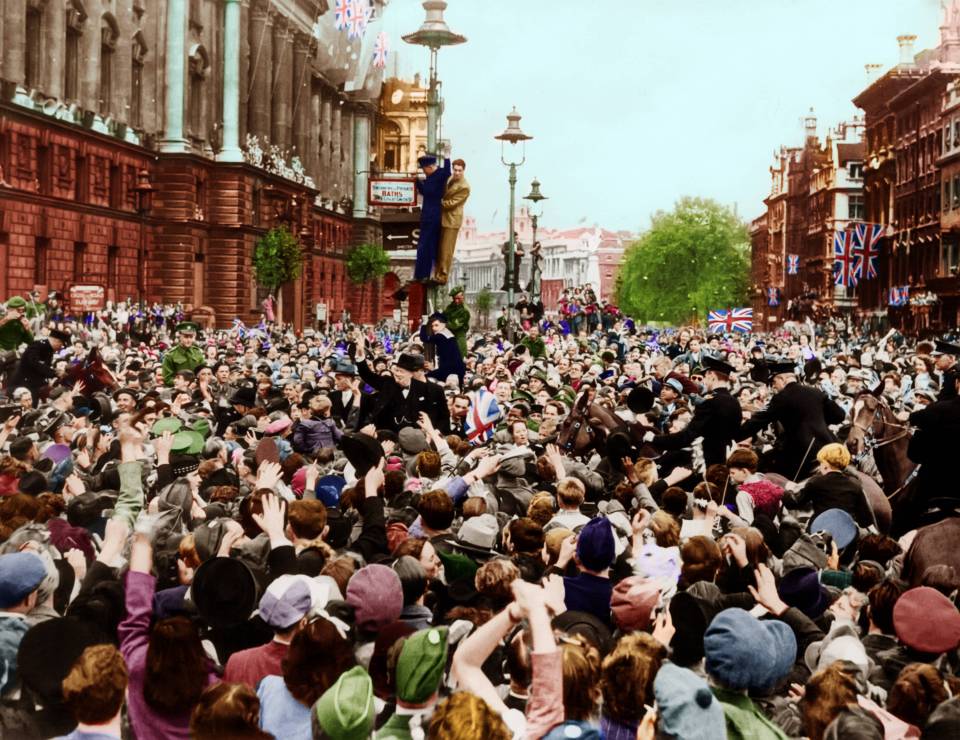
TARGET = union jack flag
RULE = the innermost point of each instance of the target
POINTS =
(359, 17)
(773, 296)
(894, 296)
(866, 238)
(342, 14)
(904, 295)
(844, 259)
(793, 264)
(380, 50)
(482, 416)
(734, 319)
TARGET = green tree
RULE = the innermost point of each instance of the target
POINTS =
(483, 303)
(366, 263)
(277, 260)
(694, 258)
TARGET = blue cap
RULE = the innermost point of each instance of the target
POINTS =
(686, 706)
(21, 573)
(839, 524)
(426, 161)
(328, 489)
(596, 549)
(744, 652)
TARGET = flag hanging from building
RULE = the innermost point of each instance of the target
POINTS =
(381, 49)
(898, 295)
(342, 13)
(482, 416)
(734, 319)
(793, 264)
(844, 259)
(866, 245)
(360, 14)
(773, 297)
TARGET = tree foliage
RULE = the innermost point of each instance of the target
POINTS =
(693, 259)
(483, 303)
(277, 259)
(366, 263)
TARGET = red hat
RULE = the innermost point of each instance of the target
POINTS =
(633, 601)
(927, 621)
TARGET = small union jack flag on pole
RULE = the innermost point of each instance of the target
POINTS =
(342, 14)
(730, 320)
(773, 296)
(380, 50)
(844, 259)
(894, 297)
(866, 245)
(793, 264)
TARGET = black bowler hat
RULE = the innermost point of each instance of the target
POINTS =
(61, 335)
(224, 592)
(245, 395)
(362, 451)
(717, 365)
(640, 400)
(410, 362)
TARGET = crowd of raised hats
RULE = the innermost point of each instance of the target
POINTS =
(254, 534)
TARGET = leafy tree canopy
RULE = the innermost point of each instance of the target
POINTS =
(693, 259)
(277, 258)
(367, 262)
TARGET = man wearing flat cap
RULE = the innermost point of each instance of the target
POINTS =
(35, 368)
(431, 188)
(14, 327)
(185, 356)
(717, 419)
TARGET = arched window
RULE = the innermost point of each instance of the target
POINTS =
(138, 53)
(109, 33)
(199, 64)
(76, 19)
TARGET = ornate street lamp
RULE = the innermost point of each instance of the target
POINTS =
(144, 193)
(512, 135)
(433, 34)
(535, 196)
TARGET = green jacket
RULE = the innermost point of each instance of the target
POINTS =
(180, 358)
(536, 346)
(744, 720)
(458, 322)
(13, 334)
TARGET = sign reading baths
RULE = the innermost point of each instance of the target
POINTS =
(397, 193)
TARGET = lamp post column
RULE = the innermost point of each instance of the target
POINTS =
(173, 138)
(510, 258)
(534, 266)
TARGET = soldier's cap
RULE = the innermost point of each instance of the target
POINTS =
(16, 302)
(188, 327)
(454, 292)
(941, 348)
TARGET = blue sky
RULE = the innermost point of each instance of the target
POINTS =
(636, 103)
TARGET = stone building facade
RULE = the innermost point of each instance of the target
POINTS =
(238, 115)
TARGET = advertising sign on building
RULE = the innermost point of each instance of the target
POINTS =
(87, 298)
(395, 193)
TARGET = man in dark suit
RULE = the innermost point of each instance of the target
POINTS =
(400, 398)
(345, 397)
(717, 419)
(802, 413)
(35, 368)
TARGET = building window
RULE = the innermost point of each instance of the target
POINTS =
(955, 200)
(108, 44)
(34, 47)
(71, 67)
(41, 247)
(949, 258)
(79, 248)
(946, 138)
(855, 208)
(855, 170)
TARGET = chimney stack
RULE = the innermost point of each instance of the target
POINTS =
(906, 49)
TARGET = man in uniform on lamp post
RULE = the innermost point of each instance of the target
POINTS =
(431, 188)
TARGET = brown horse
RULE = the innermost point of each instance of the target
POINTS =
(877, 430)
(586, 427)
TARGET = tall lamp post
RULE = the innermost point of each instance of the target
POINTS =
(535, 196)
(144, 192)
(433, 34)
(512, 135)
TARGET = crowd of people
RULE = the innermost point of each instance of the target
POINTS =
(595, 530)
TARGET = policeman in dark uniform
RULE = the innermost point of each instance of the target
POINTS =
(802, 413)
(946, 364)
(934, 448)
(717, 419)
(35, 368)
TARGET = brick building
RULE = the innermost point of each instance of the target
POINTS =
(237, 116)
(815, 190)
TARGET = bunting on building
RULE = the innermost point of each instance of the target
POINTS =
(793, 264)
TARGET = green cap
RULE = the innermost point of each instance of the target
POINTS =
(188, 327)
(420, 666)
(187, 443)
(346, 710)
(521, 395)
(167, 424)
(454, 292)
(201, 426)
(456, 565)
(16, 302)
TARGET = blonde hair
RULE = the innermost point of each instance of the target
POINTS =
(464, 716)
(646, 470)
(836, 455)
(571, 492)
(666, 529)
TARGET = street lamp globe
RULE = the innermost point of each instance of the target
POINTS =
(513, 133)
(434, 32)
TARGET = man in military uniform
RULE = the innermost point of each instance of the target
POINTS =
(458, 318)
(185, 356)
(14, 327)
(947, 366)
(717, 419)
(803, 413)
